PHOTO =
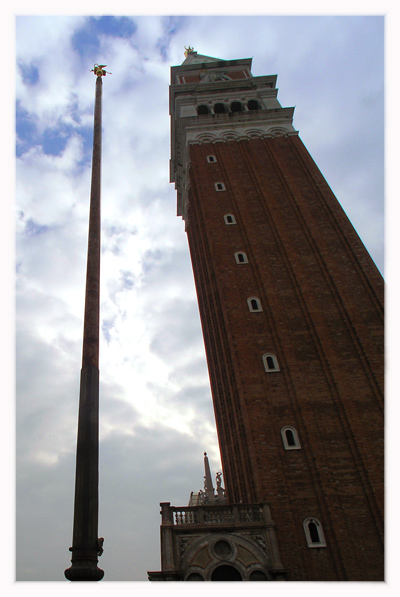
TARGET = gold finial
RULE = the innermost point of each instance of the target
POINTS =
(188, 50)
(99, 71)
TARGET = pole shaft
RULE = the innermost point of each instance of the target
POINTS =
(90, 352)
(85, 534)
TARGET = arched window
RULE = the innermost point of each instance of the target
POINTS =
(258, 575)
(252, 104)
(254, 304)
(241, 257)
(229, 219)
(195, 576)
(270, 362)
(211, 158)
(202, 110)
(219, 186)
(314, 533)
(226, 572)
(290, 438)
(219, 108)
(236, 107)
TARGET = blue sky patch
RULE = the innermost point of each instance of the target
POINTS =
(32, 228)
(174, 24)
(29, 72)
(86, 40)
(128, 279)
(116, 26)
(106, 326)
(53, 141)
(25, 129)
(171, 25)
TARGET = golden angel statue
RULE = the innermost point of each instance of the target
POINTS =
(99, 71)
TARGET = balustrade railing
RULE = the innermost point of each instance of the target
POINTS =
(186, 516)
(218, 515)
(211, 515)
(250, 514)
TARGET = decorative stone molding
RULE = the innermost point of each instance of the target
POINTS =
(230, 136)
(260, 540)
(211, 76)
(278, 131)
(185, 542)
(226, 132)
(245, 133)
(206, 138)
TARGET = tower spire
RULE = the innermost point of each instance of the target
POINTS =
(208, 485)
(86, 546)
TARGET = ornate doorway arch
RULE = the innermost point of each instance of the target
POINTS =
(226, 572)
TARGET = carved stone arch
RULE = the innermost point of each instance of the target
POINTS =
(194, 575)
(230, 136)
(206, 138)
(204, 554)
(254, 133)
(278, 131)
(184, 543)
(196, 556)
(226, 572)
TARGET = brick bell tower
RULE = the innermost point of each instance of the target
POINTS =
(291, 307)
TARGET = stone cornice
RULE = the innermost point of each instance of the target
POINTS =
(221, 128)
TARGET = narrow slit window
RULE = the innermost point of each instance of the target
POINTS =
(219, 186)
(211, 159)
(290, 438)
(241, 257)
(314, 533)
(229, 219)
(254, 304)
(270, 363)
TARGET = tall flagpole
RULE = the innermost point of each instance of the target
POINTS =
(86, 545)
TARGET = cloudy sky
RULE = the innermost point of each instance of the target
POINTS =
(156, 416)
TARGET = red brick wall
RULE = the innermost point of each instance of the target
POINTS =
(322, 317)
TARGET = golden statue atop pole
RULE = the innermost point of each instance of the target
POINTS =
(98, 70)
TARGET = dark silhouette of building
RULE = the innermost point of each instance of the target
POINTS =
(291, 307)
